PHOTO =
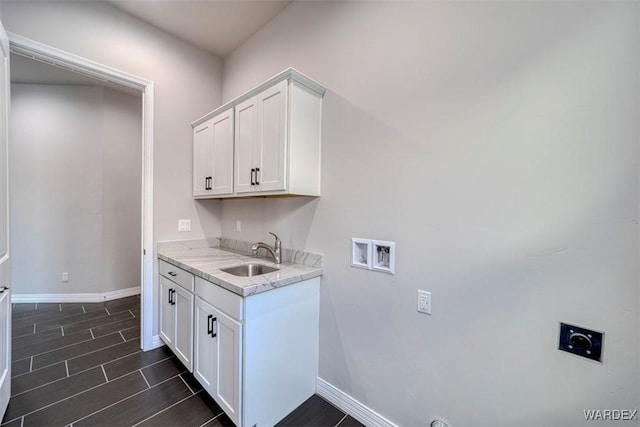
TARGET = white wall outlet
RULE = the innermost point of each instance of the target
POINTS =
(384, 256)
(360, 253)
(65, 276)
(238, 226)
(424, 302)
(184, 225)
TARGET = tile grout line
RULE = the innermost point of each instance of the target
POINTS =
(72, 315)
(59, 307)
(107, 310)
(145, 367)
(31, 365)
(185, 383)
(84, 354)
(93, 337)
(34, 328)
(123, 399)
(165, 409)
(208, 421)
(66, 365)
(71, 345)
(144, 378)
(134, 316)
(104, 373)
(83, 310)
(22, 421)
(339, 422)
(62, 329)
(84, 370)
(92, 320)
(58, 401)
(120, 332)
(75, 357)
(50, 382)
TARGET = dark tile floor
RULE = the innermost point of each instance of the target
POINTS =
(81, 365)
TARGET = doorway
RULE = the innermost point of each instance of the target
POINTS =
(58, 58)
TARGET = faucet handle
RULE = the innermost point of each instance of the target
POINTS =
(278, 242)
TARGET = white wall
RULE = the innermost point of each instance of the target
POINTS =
(76, 189)
(497, 144)
(187, 85)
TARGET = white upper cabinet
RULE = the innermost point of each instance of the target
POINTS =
(213, 156)
(275, 139)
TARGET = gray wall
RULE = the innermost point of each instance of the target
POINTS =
(497, 144)
(76, 156)
(187, 85)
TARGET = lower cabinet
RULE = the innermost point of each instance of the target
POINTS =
(256, 356)
(176, 320)
(218, 356)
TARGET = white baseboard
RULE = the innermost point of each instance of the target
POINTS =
(351, 406)
(95, 297)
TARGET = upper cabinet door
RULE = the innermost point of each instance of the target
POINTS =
(213, 156)
(247, 142)
(272, 123)
(202, 152)
(221, 181)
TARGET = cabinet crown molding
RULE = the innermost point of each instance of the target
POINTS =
(288, 74)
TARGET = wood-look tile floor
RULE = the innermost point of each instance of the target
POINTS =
(81, 365)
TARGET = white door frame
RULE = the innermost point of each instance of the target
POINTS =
(44, 53)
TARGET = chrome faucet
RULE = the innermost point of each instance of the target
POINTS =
(275, 251)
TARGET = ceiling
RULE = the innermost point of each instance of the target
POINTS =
(217, 26)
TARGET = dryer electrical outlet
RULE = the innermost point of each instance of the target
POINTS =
(580, 341)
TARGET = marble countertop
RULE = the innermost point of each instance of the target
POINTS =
(206, 262)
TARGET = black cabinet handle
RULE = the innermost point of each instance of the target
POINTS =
(208, 183)
(209, 324)
(172, 274)
(257, 170)
(169, 298)
(172, 293)
(253, 182)
(213, 335)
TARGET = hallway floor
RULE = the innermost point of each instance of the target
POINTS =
(80, 364)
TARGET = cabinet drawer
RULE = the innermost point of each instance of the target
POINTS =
(220, 298)
(177, 275)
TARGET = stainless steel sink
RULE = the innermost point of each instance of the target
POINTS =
(248, 270)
